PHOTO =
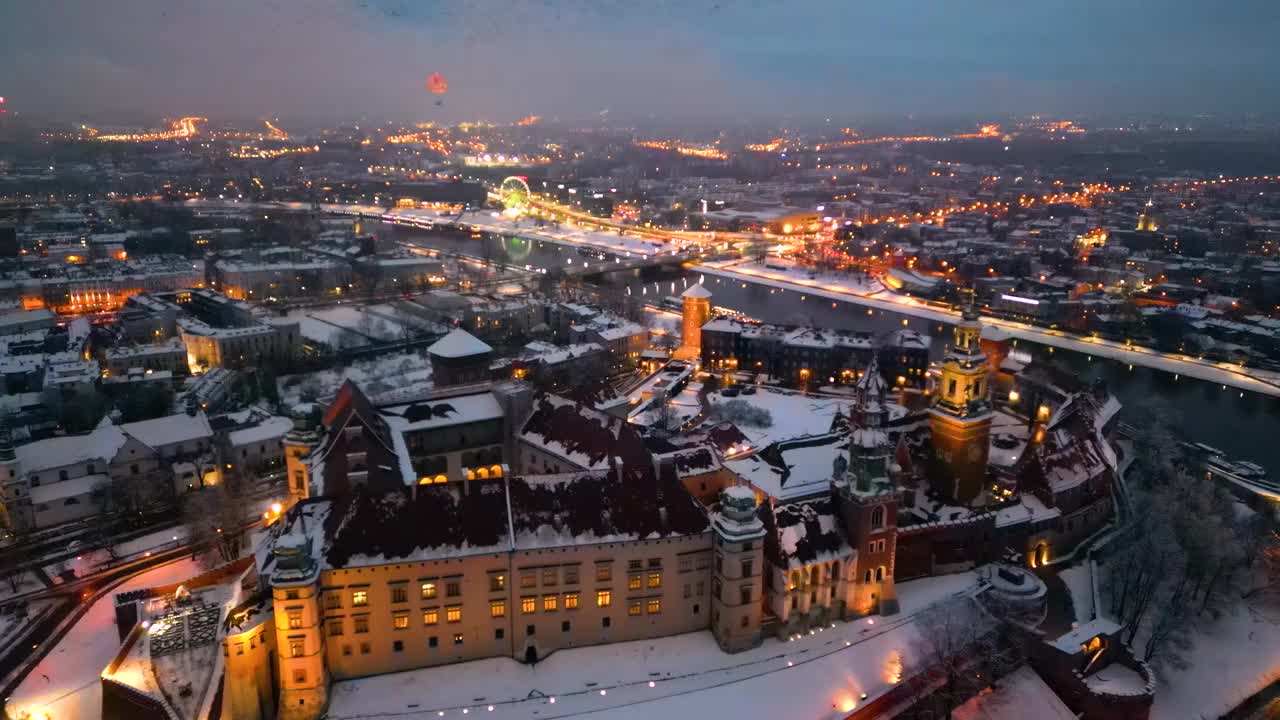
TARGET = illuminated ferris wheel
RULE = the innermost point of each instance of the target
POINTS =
(514, 193)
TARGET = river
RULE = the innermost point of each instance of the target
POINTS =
(1244, 425)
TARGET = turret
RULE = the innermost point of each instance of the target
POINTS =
(298, 443)
(295, 591)
(960, 419)
(737, 583)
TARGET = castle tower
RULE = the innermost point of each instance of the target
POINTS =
(1147, 221)
(868, 500)
(737, 583)
(298, 444)
(697, 311)
(295, 591)
(961, 416)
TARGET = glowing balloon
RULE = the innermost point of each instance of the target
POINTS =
(437, 84)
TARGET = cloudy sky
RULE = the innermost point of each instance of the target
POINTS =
(704, 59)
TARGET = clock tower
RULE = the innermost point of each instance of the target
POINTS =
(960, 418)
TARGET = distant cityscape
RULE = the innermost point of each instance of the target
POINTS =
(948, 419)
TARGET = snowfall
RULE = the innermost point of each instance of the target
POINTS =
(680, 676)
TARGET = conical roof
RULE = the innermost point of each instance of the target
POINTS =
(696, 291)
(458, 343)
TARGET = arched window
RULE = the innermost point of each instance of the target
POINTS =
(880, 573)
(495, 471)
(482, 474)
(877, 517)
(813, 575)
(867, 577)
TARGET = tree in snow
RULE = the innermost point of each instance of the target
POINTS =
(213, 518)
(741, 412)
(960, 650)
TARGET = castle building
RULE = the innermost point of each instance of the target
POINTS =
(960, 419)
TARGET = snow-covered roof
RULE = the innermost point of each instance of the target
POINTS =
(272, 428)
(458, 343)
(696, 291)
(1021, 694)
(793, 469)
(430, 414)
(101, 444)
(802, 533)
(170, 430)
(75, 487)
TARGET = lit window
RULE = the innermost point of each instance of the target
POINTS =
(400, 620)
(497, 608)
(633, 582)
(497, 582)
(453, 613)
(604, 598)
(654, 606)
(295, 619)
(360, 598)
(549, 603)
(571, 601)
(428, 590)
(457, 638)
(528, 605)
(633, 607)
(655, 579)
(430, 616)
(295, 647)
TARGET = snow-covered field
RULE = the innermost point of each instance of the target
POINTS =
(65, 684)
(675, 677)
(794, 414)
(1230, 659)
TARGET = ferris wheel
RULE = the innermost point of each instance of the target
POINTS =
(514, 193)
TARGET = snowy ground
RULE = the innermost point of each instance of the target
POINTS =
(1251, 379)
(1230, 659)
(402, 372)
(28, 584)
(675, 677)
(1080, 582)
(794, 414)
(65, 684)
(96, 560)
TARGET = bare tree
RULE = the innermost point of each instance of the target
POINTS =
(960, 650)
(214, 517)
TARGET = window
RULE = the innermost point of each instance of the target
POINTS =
(332, 601)
(497, 582)
(299, 676)
(634, 565)
(530, 630)
(701, 588)
(497, 608)
(457, 638)
(604, 572)
(604, 598)
(362, 624)
(295, 619)
(571, 575)
(654, 606)
(433, 641)
(877, 517)
(346, 650)
(747, 568)
(528, 605)
(528, 580)
(564, 626)
(359, 598)
(655, 580)
(295, 647)
(655, 562)
(397, 646)
(571, 601)
(867, 577)
(745, 621)
(549, 576)
(633, 607)
(499, 633)
(335, 627)
(549, 602)
(453, 613)
(239, 648)
(365, 648)
(430, 616)
(429, 590)
(688, 590)
(880, 573)
(399, 594)
(744, 594)
(685, 564)
(715, 588)
(633, 582)
(746, 546)
(871, 547)
(400, 620)
(453, 588)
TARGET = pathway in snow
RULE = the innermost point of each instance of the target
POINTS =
(65, 684)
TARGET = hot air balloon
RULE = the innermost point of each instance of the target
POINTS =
(437, 85)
